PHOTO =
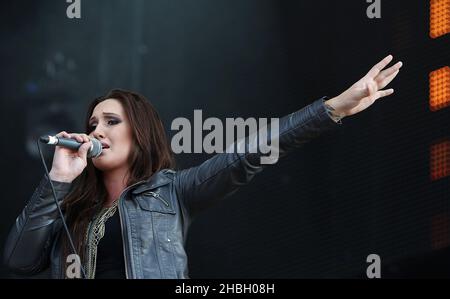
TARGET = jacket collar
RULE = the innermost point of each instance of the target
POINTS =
(156, 180)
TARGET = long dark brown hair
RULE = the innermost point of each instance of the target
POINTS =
(149, 154)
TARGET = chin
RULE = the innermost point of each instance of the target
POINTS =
(102, 166)
(106, 163)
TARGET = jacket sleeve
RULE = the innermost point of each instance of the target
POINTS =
(27, 248)
(200, 187)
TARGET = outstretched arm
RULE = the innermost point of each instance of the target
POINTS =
(223, 174)
(202, 186)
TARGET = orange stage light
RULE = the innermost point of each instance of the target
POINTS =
(439, 18)
(440, 88)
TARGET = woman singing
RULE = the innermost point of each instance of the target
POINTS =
(127, 210)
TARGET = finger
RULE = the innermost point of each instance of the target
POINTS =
(85, 137)
(388, 80)
(372, 88)
(80, 137)
(62, 134)
(82, 151)
(385, 93)
(387, 72)
(376, 69)
(77, 137)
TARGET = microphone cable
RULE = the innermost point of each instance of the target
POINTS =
(60, 212)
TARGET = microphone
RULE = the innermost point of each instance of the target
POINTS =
(93, 152)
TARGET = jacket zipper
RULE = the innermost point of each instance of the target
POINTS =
(127, 275)
(158, 196)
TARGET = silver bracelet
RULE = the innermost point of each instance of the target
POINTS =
(331, 112)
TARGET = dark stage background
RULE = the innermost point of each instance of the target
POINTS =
(363, 189)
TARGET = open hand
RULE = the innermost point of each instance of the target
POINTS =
(366, 91)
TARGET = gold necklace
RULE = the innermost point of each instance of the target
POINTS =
(95, 232)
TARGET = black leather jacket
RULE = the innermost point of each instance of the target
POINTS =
(155, 214)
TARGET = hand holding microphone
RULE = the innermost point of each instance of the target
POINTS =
(71, 153)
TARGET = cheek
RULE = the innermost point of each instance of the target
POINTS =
(125, 146)
(128, 141)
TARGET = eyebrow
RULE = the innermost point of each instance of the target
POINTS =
(106, 114)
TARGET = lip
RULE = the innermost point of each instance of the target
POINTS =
(105, 144)
(103, 152)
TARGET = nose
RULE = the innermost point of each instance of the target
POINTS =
(97, 134)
